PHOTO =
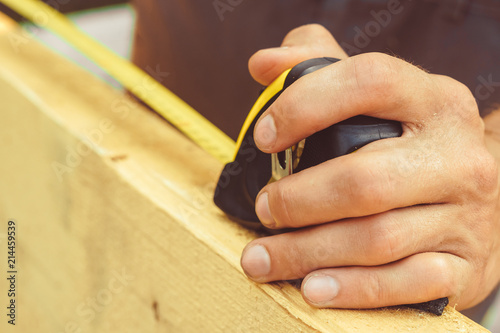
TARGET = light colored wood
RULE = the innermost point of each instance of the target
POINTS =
(125, 237)
(6, 23)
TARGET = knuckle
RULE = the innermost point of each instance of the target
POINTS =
(285, 110)
(369, 185)
(373, 289)
(296, 264)
(461, 93)
(284, 204)
(384, 242)
(443, 272)
(314, 28)
(482, 170)
(460, 100)
(376, 74)
(487, 172)
(306, 265)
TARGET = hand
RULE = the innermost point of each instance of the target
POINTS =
(401, 220)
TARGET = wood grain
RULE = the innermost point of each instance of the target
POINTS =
(117, 230)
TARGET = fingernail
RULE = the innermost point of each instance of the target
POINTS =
(263, 212)
(256, 262)
(320, 289)
(265, 133)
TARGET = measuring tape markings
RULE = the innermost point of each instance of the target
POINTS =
(154, 94)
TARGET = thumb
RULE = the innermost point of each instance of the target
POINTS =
(305, 42)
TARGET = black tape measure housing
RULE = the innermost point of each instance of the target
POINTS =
(242, 179)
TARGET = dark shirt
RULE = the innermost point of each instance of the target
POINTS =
(205, 45)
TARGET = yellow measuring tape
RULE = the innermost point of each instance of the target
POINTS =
(162, 100)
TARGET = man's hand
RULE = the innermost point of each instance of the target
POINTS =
(401, 220)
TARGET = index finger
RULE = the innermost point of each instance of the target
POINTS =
(371, 84)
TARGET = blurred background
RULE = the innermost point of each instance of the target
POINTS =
(111, 22)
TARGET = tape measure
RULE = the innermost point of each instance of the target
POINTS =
(134, 79)
(243, 178)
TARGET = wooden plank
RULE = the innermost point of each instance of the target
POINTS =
(116, 226)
